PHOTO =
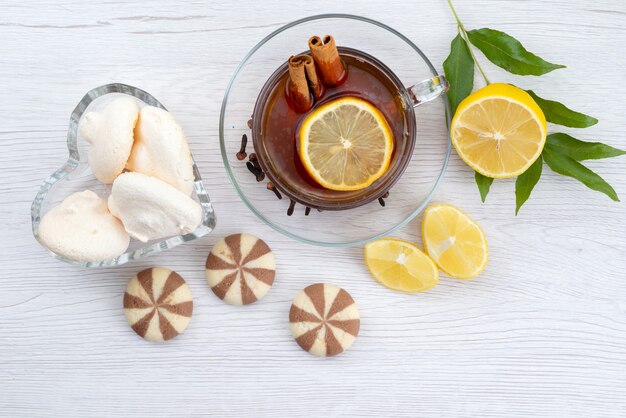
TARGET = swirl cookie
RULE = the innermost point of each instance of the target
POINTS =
(324, 319)
(240, 269)
(158, 304)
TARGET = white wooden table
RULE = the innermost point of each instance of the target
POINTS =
(542, 332)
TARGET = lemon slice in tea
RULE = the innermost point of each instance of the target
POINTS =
(346, 144)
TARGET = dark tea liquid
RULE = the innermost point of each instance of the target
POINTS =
(276, 127)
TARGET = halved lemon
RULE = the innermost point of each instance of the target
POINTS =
(400, 265)
(499, 130)
(346, 144)
(454, 241)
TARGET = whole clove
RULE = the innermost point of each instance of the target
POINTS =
(242, 150)
(381, 199)
(270, 186)
(292, 206)
(257, 171)
(307, 210)
(252, 168)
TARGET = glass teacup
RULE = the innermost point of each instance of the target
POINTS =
(276, 123)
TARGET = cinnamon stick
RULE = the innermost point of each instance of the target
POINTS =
(298, 84)
(317, 88)
(327, 60)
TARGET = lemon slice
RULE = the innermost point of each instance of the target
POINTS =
(400, 265)
(346, 144)
(499, 131)
(454, 241)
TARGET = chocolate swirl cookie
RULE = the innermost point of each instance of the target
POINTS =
(324, 319)
(240, 269)
(158, 304)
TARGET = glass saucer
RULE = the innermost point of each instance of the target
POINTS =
(408, 196)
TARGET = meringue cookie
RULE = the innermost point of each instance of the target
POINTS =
(81, 228)
(110, 134)
(152, 209)
(161, 150)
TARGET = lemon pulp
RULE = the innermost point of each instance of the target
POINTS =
(400, 265)
(499, 130)
(346, 144)
(454, 241)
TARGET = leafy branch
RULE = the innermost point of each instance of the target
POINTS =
(465, 39)
(562, 153)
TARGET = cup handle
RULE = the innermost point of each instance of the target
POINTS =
(428, 90)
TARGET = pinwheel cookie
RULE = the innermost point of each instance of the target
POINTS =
(324, 319)
(240, 269)
(158, 304)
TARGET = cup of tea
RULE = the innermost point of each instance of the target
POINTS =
(277, 120)
(264, 114)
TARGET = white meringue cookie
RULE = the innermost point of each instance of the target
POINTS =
(110, 134)
(81, 228)
(161, 150)
(152, 209)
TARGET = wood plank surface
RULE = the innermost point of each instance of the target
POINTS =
(542, 332)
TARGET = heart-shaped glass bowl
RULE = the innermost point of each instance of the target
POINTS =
(414, 188)
(75, 176)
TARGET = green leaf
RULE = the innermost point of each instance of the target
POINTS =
(484, 184)
(526, 182)
(567, 166)
(459, 70)
(562, 115)
(581, 150)
(507, 52)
